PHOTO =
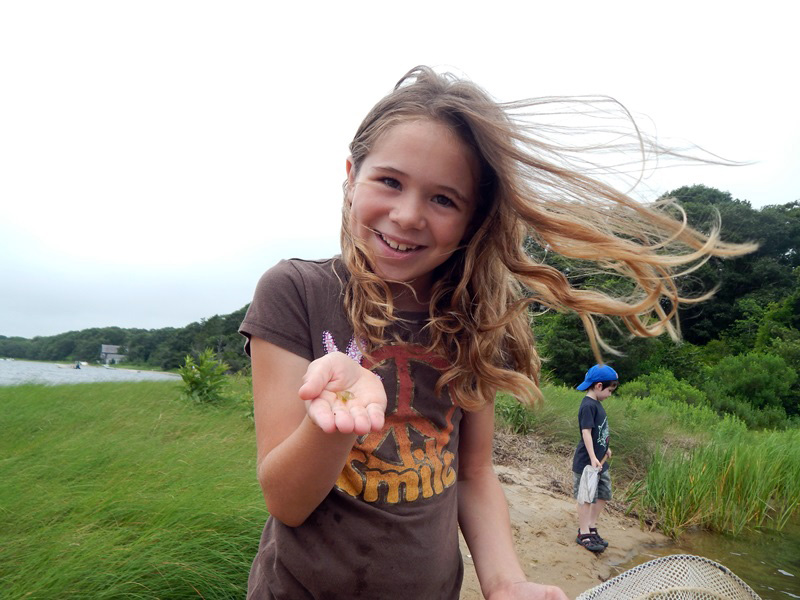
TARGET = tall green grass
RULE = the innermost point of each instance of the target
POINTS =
(125, 491)
(747, 481)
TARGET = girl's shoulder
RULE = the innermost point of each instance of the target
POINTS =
(309, 272)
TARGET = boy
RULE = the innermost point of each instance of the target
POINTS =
(599, 384)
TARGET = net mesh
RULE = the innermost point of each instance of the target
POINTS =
(675, 577)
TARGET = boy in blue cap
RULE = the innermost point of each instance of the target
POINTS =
(599, 383)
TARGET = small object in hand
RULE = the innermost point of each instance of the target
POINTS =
(344, 396)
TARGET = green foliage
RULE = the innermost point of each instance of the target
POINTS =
(122, 491)
(663, 386)
(513, 415)
(765, 275)
(203, 378)
(762, 380)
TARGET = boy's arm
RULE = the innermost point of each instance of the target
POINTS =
(586, 434)
(484, 519)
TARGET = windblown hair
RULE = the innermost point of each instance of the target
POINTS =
(529, 188)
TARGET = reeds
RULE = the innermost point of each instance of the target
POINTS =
(124, 491)
(746, 481)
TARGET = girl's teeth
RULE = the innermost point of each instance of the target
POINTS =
(398, 247)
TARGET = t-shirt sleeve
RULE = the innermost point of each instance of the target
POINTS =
(279, 311)
(586, 417)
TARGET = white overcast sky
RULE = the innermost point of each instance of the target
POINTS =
(157, 156)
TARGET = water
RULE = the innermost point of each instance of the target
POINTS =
(769, 561)
(16, 372)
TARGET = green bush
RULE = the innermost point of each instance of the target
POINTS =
(763, 380)
(771, 417)
(203, 378)
(673, 400)
(664, 384)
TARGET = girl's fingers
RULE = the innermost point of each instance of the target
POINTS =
(361, 422)
(321, 413)
(376, 415)
(344, 421)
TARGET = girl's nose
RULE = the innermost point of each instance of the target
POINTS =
(409, 213)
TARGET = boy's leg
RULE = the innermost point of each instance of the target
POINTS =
(585, 538)
(585, 516)
(584, 510)
(603, 496)
(594, 512)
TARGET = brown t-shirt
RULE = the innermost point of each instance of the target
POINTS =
(389, 527)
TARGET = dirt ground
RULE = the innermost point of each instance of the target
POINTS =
(538, 486)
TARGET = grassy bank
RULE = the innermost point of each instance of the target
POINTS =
(128, 490)
(125, 491)
(679, 465)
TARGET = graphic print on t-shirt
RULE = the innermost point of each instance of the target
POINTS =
(602, 434)
(408, 459)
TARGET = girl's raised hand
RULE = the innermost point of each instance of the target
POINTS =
(343, 396)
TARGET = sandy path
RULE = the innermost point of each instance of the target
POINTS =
(538, 488)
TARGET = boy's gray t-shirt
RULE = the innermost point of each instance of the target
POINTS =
(389, 527)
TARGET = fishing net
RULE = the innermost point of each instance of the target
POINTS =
(676, 577)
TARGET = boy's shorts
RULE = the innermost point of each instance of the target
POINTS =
(603, 485)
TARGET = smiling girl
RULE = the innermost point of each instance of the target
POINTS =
(375, 372)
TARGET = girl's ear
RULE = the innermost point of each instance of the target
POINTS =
(351, 179)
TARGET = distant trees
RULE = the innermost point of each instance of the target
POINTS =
(162, 348)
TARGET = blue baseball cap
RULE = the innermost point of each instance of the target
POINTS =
(597, 374)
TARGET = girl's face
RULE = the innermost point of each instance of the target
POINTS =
(412, 201)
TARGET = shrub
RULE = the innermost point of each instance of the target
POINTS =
(203, 378)
(664, 384)
(763, 380)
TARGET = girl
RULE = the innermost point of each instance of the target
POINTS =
(375, 372)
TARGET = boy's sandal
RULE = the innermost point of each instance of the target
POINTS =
(589, 541)
(593, 531)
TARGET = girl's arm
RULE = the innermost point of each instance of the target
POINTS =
(484, 518)
(298, 463)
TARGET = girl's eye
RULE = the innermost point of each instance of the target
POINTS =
(443, 200)
(391, 182)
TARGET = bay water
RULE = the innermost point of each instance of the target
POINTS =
(16, 372)
(767, 560)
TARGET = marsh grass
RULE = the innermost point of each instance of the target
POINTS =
(746, 481)
(125, 491)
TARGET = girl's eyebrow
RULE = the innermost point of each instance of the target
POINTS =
(446, 188)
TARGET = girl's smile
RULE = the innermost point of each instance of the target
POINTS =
(412, 201)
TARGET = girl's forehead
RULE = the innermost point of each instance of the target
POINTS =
(425, 140)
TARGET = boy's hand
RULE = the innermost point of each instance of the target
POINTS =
(341, 395)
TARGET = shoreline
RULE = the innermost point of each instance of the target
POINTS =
(538, 486)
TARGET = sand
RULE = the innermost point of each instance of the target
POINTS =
(538, 486)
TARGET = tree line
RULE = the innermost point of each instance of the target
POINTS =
(164, 348)
(740, 351)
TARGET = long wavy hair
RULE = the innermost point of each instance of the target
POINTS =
(530, 188)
